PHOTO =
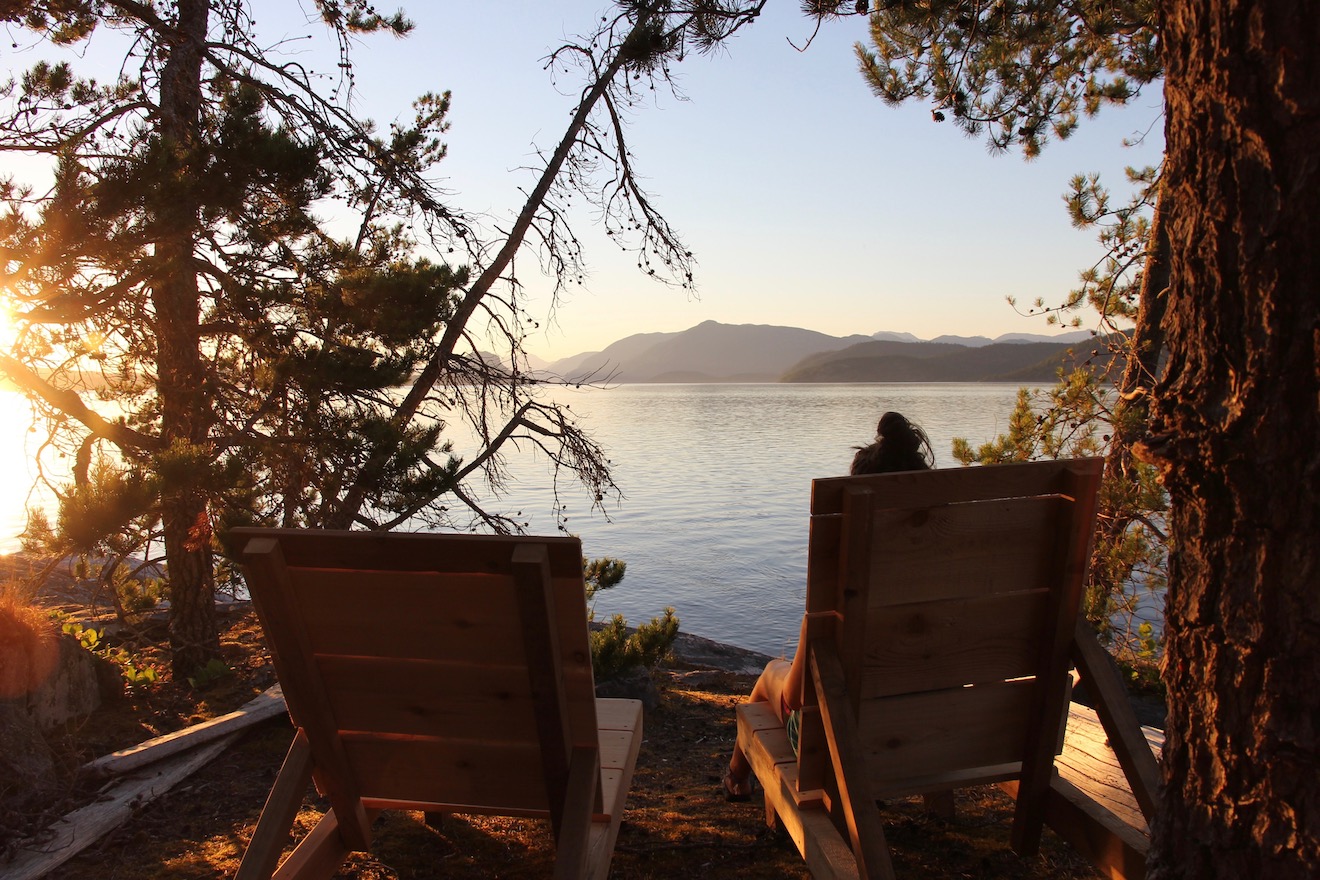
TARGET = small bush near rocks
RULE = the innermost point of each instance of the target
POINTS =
(615, 650)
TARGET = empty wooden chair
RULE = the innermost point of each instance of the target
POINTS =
(941, 609)
(441, 673)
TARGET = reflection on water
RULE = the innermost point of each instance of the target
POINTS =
(717, 481)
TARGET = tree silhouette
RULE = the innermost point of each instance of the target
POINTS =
(185, 309)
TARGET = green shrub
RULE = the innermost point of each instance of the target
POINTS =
(601, 574)
(133, 674)
(1129, 561)
(139, 595)
(205, 676)
(88, 637)
(94, 640)
(614, 650)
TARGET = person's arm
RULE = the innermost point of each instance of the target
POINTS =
(797, 672)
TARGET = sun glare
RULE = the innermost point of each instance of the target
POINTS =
(17, 470)
(16, 467)
(8, 328)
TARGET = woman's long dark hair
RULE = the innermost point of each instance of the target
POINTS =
(899, 446)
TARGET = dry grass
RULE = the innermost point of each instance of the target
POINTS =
(27, 644)
(677, 824)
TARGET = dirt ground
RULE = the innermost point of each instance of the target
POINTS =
(677, 823)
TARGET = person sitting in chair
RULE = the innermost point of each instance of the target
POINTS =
(899, 445)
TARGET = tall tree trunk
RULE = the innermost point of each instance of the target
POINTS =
(194, 635)
(1237, 430)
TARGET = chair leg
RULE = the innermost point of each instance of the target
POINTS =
(277, 816)
(571, 845)
(1028, 824)
(318, 855)
(855, 806)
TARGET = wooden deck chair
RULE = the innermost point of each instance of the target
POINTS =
(940, 615)
(441, 673)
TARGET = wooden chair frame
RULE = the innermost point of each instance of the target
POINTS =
(441, 673)
(941, 622)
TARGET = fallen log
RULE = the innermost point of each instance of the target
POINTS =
(266, 705)
(86, 825)
(148, 770)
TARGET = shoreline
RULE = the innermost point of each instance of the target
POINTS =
(690, 652)
(708, 654)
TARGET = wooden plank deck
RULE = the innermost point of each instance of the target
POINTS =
(1090, 764)
(1091, 804)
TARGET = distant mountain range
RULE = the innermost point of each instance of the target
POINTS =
(714, 352)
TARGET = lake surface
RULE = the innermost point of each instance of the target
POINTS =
(717, 484)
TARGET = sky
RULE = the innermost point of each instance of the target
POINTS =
(806, 201)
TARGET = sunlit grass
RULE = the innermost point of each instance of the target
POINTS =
(27, 644)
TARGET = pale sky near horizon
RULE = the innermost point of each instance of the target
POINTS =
(806, 201)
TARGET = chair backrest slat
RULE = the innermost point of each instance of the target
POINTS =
(924, 554)
(402, 551)
(914, 736)
(425, 698)
(950, 643)
(947, 485)
(414, 614)
(409, 773)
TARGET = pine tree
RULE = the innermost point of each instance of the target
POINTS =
(185, 309)
(1236, 432)
(1234, 424)
(1018, 72)
(1015, 71)
(175, 269)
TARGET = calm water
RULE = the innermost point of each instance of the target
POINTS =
(717, 483)
(717, 480)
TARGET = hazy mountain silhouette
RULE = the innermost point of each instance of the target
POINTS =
(979, 341)
(600, 364)
(944, 362)
(708, 352)
(894, 336)
(715, 352)
(968, 341)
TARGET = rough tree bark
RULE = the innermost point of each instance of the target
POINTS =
(1237, 431)
(194, 637)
